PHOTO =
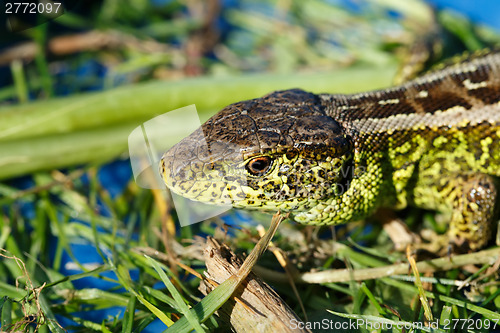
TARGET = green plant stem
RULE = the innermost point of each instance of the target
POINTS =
(16, 67)
(141, 102)
(94, 127)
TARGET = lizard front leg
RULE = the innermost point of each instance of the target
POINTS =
(468, 199)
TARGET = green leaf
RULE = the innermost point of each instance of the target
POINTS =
(128, 317)
(177, 297)
(126, 281)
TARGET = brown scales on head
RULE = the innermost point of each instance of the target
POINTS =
(267, 152)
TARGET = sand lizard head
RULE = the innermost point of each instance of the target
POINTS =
(280, 151)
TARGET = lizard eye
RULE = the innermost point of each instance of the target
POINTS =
(259, 165)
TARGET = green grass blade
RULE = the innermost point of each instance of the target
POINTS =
(94, 127)
(126, 281)
(5, 313)
(122, 105)
(49, 315)
(177, 297)
(372, 299)
(128, 317)
(208, 305)
(11, 291)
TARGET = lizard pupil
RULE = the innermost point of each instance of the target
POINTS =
(259, 166)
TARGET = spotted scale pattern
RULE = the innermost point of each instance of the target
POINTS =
(433, 142)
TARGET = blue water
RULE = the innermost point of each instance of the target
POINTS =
(481, 11)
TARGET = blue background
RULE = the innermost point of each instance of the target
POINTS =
(479, 11)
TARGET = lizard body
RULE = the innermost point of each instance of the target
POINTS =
(433, 142)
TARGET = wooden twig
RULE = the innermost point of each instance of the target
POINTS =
(88, 41)
(265, 311)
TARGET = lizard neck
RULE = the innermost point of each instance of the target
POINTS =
(393, 129)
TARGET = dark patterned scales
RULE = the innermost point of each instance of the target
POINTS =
(433, 142)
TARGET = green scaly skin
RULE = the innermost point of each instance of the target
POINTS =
(433, 142)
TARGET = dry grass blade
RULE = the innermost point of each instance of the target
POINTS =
(344, 275)
(418, 283)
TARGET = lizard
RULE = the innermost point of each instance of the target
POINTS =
(431, 142)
